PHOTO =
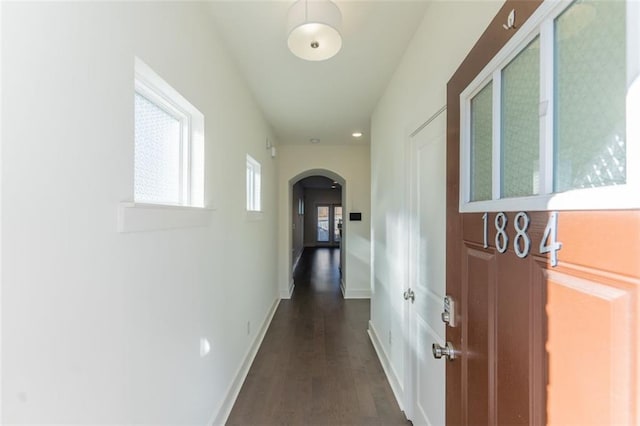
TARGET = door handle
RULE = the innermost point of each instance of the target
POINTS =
(409, 294)
(446, 351)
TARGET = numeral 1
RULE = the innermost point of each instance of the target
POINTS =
(551, 234)
(485, 219)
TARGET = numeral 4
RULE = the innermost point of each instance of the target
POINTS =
(551, 234)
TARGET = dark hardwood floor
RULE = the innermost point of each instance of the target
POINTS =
(316, 364)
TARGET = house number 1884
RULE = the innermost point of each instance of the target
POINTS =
(522, 241)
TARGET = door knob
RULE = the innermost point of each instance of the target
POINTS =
(409, 294)
(446, 351)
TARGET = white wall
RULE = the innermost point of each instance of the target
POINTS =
(416, 91)
(100, 326)
(351, 163)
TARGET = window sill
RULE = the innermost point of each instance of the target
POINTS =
(137, 217)
(254, 215)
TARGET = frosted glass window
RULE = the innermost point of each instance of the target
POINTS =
(590, 89)
(157, 153)
(481, 137)
(520, 123)
(253, 184)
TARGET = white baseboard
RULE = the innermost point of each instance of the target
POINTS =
(287, 293)
(353, 294)
(295, 261)
(389, 371)
(356, 294)
(222, 414)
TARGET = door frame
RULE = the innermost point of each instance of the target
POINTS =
(410, 273)
(285, 259)
(411, 267)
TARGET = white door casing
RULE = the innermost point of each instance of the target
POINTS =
(424, 375)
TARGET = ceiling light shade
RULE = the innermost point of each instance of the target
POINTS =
(314, 29)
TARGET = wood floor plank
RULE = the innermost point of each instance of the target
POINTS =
(316, 365)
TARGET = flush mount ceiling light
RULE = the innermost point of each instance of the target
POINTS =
(356, 134)
(314, 29)
(314, 140)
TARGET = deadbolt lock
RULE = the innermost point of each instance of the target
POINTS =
(449, 312)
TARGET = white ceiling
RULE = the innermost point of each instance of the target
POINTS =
(327, 100)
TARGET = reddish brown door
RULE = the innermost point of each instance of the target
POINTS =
(539, 344)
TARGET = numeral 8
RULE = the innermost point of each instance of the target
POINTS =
(502, 239)
(521, 235)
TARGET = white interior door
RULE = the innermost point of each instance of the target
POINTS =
(425, 376)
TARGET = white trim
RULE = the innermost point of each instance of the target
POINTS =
(288, 292)
(633, 33)
(151, 86)
(254, 185)
(465, 137)
(297, 260)
(1, 186)
(541, 23)
(411, 229)
(602, 198)
(546, 107)
(389, 371)
(355, 294)
(137, 217)
(427, 121)
(496, 136)
(221, 415)
(633, 96)
(464, 186)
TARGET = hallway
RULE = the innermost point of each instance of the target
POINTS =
(316, 364)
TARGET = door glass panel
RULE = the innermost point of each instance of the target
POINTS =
(590, 87)
(481, 136)
(323, 224)
(521, 123)
(337, 223)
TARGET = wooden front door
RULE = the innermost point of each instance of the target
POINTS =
(538, 341)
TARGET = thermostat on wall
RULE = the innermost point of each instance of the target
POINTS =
(355, 216)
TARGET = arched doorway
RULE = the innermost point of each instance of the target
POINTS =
(318, 215)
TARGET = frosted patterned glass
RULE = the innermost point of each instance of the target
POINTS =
(157, 154)
(521, 123)
(590, 87)
(481, 137)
